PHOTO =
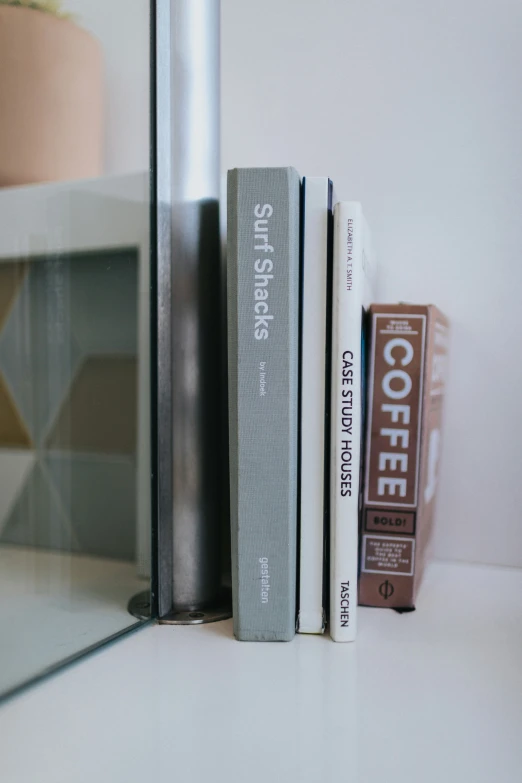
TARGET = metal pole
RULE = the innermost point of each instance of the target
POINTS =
(189, 311)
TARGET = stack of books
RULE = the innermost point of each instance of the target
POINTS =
(310, 537)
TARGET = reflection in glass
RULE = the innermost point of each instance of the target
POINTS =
(74, 335)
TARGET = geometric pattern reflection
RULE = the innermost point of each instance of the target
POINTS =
(68, 402)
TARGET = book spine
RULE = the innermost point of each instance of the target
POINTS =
(346, 418)
(316, 270)
(263, 306)
(393, 456)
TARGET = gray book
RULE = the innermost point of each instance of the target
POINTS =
(263, 357)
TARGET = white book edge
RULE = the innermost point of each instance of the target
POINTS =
(311, 617)
(351, 293)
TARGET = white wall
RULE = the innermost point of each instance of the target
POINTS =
(122, 27)
(414, 108)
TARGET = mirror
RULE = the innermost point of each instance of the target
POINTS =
(74, 327)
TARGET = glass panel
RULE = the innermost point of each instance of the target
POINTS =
(74, 327)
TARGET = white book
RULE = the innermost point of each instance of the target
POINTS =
(316, 271)
(353, 280)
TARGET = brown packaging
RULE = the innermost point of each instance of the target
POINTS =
(407, 372)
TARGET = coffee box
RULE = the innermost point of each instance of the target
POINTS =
(407, 375)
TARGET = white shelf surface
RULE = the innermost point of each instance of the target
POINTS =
(430, 696)
(56, 604)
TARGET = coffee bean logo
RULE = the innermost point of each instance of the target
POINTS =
(386, 589)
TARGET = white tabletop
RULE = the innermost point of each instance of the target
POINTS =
(53, 605)
(431, 696)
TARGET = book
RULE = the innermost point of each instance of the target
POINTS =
(408, 359)
(263, 357)
(353, 282)
(317, 229)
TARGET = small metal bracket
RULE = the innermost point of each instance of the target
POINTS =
(222, 610)
(140, 605)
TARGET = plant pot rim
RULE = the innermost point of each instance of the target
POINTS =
(20, 9)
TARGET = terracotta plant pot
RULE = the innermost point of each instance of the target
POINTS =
(51, 99)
